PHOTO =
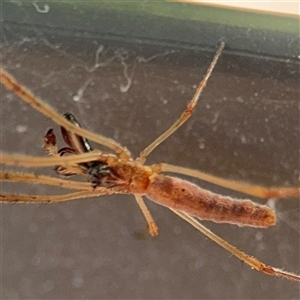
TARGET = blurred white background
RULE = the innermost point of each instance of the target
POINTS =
(283, 7)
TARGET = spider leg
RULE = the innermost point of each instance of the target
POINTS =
(41, 161)
(26, 95)
(188, 111)
(249, 189)
(45, 180)
(53, 198)
(249, 260)
(152, 227)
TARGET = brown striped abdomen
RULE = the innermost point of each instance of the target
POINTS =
(187, 197)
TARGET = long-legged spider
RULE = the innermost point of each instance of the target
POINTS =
(120, 174)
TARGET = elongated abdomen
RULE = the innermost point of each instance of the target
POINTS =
(185, 196)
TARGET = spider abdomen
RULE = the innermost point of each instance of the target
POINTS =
(188, 197)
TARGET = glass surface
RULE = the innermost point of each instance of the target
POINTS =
(246, 127)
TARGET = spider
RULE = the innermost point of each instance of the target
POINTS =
(119, 173)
